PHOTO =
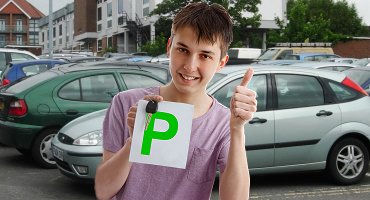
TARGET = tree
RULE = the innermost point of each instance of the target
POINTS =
(242, 25)
(318, 21)
(156, 47)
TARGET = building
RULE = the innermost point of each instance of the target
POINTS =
(122, 25)
(63, 30)
(19, 25)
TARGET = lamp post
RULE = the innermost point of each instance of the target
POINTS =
(51, 29)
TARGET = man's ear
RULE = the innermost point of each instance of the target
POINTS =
(223, 62)
(169, 41)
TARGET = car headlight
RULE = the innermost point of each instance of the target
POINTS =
(91, 138)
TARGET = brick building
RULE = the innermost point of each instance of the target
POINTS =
(19, 25)
(357, 47)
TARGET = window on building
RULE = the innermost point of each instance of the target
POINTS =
(60, 41)
(109, 24)
(2, 44)
(146, 12)
(100, 45)
(19, 40)
(109, 41)
(99, 27)
(109, 9)
(99, 13)
(2, 24)
(60, 29)
(42, 37)
(145, 1)
(54, 32)
(19, 25)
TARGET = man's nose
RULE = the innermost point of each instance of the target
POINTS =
(191, 64)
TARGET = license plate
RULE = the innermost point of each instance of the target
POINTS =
(57, 153)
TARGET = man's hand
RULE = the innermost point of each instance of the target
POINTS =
(132, 112)
(243, 103)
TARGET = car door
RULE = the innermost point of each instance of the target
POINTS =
(302, 117)
(260, 130)
(83, 94)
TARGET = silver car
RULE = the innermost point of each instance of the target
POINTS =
(307, 119)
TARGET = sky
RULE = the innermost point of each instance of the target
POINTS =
(362, 7)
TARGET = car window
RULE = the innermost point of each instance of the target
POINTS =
(139, 81)
(20, 57)
(160, 72)
(97, 88)
(283, 54)
(295, 91)
(34, 69)
(342, 92)
(31, 81)
(258, 84)
(2, 61)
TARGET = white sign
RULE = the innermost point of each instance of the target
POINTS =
(162, 139)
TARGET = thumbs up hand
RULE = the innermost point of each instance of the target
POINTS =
(243, 103)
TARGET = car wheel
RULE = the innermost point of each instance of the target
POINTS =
(41, 149)
(348, 161)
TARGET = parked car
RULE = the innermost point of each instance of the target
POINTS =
(362, 62)
(333, 66)
(18, 70)
(33, 110)
(361, 75)
(310, 56)
(306, 120)
(8, 55)
(283, 49)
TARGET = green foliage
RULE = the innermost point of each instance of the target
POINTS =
(110, 49)
(242, 25)
(156, 47)
(318, 21)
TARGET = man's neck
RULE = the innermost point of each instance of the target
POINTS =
(202, 101)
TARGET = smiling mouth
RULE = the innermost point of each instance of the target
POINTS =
(189, 78)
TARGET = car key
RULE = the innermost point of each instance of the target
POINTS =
(150, 108)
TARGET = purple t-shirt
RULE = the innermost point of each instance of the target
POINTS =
(208, 151)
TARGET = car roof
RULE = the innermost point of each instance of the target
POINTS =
(104, 65)
(237, 69)
(316, 64)
(37, 61)
(366, 68)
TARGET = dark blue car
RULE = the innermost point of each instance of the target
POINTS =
(17, 70)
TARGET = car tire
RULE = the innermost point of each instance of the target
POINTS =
(348, 161)
(41, 149)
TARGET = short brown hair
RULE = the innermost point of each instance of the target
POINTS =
(210, 22)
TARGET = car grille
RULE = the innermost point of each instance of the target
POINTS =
(63, 165)
(65, 139)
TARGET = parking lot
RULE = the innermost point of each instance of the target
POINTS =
(20, 178)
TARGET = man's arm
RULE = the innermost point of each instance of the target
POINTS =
(235, 180)
(112, 173)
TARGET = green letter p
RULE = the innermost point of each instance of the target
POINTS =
(150, 134)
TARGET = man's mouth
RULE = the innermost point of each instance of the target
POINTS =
(189, 78)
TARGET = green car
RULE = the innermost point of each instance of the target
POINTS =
(33, 110)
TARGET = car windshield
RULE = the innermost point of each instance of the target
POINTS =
(268, 54)
(31, 81)
(359, 76)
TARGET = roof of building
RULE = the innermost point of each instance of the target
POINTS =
(24, 6)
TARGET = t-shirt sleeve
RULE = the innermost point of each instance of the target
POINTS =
(223, 155)
(115, 131)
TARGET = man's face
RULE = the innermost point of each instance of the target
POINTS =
(193, 64)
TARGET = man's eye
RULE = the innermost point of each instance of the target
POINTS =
(206, 56)
(182, 50)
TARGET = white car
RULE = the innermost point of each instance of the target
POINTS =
(306, 119)
(333, 66)
(8, 55)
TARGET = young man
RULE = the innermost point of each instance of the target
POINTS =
(201, 35)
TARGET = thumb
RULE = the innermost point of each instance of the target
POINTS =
(247, 77)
